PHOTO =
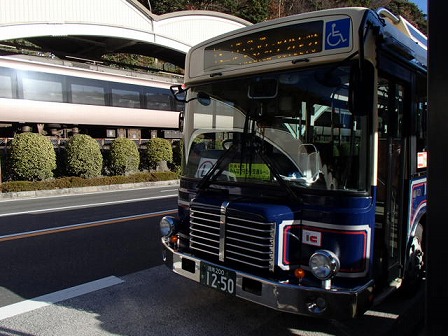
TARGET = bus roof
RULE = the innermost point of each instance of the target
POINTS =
(299, 38)
(401, 30)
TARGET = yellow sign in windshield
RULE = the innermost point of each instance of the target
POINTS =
(253, 170)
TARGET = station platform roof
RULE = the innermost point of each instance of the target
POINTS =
(86, 29)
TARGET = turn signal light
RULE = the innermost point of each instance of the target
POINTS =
(174, 239)
(299, 273)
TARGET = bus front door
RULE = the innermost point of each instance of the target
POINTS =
(390, 184)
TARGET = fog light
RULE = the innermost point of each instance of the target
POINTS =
(167, 225)
(324, 264)
(316, 305)
(321, 303)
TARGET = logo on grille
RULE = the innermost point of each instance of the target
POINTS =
(312, 237)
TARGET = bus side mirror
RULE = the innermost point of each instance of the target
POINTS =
(360, 97)
(203, 99)
(179, 93)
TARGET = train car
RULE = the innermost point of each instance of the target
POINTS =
(59, 97)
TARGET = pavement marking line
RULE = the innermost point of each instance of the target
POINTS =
(82, 206)
(381, 314)
(64, 294)
(73, 227)
(168, 190)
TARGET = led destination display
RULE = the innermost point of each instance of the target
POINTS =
(263, 46)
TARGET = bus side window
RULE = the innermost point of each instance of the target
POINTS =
(382, 170)
(421, 122)
(384, 91)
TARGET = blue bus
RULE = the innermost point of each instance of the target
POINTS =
(304, 174)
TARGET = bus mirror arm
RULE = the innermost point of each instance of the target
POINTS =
(181, 121)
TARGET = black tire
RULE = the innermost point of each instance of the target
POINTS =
(415, 266)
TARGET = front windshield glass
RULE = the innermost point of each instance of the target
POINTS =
(289, 128)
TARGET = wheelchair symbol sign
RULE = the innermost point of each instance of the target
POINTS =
(337, 34)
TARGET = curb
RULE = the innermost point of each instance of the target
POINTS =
(83, 190)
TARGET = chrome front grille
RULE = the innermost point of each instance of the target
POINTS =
(227, 237)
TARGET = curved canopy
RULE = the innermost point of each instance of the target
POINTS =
(88, 29)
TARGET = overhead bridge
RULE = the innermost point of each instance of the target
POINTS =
(89, 29)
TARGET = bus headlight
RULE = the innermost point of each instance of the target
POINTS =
(324, 264)
(167, 225)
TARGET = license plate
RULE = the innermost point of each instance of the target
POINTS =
(218, 278)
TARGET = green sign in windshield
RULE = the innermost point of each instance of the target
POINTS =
(254, 170)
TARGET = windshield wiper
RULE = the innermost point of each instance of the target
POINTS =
(214, 172)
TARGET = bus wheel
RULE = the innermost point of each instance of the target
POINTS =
(415, 267)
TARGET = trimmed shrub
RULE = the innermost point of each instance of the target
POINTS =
(84, 157)
(124, 157)
(159, 152)
(32, 157)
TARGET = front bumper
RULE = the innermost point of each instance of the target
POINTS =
(339, 304)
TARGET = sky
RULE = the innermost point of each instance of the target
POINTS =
(422, 4)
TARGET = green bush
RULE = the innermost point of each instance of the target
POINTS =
(124, 157)
(158, 150)
(32, 157)
(84, 157)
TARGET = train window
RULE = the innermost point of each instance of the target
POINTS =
(5, 86)
(43, 89)
(125, 98)
(87, 94)
(158, 100)
(179, 106)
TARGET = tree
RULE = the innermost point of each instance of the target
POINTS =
(84, 157)
(158, 153)
(255, 10)
(410, 12)
(32, 157)
(124, 156)
(167, 6)
(261, 10)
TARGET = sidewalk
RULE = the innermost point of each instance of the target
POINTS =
(73, 191)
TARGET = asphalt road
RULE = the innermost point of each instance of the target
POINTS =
(157, 302)
(51, 243)
(107, 279)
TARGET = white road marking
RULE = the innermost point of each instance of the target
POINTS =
(49, 299)
(382, 314)
(84, 225)
(74, 194)
(169, 190)
(84, 205)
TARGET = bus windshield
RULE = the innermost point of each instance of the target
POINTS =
(296, 129)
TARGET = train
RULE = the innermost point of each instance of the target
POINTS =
(61, 97)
